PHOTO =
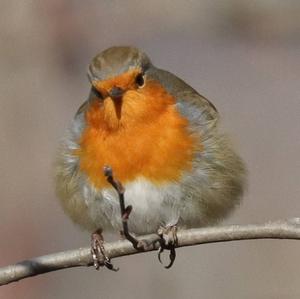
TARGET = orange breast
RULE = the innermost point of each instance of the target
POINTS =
(144, 137)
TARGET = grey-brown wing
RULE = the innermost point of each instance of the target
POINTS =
(82, 108)
(184, 93)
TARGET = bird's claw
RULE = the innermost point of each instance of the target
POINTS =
(98, 252)
(168, 240)
(172, 256)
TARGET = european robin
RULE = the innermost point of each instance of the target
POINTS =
(162, 141)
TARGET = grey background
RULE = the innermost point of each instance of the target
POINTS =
(242, 55)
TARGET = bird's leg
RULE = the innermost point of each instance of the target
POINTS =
(98, 252)
(125, 211)
(169, 240)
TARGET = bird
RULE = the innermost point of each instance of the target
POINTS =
(161, 146)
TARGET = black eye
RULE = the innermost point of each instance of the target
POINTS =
(96, 93)
(140, 80)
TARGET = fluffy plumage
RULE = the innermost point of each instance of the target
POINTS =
(163, 142)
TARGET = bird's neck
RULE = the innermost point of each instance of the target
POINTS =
(153, 142)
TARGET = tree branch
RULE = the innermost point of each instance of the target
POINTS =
(289, 229)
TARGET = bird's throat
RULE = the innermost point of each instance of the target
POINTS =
(152, 142)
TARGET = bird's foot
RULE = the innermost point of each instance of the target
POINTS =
(98, 252)
(169, 241)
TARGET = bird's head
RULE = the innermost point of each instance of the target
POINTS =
(123, 91)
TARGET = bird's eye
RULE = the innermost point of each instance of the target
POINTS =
(96, 92)
(140, 80)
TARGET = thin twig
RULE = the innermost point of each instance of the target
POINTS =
(289, 229)
(125, 211)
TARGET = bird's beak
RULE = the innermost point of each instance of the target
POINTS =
(116, 93)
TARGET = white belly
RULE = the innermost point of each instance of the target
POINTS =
(152, 206)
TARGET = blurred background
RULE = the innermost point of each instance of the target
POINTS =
(243, 55)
